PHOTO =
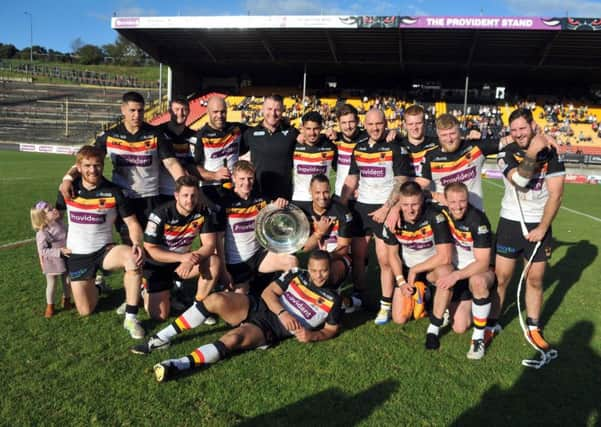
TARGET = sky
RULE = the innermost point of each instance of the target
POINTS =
(57, 24)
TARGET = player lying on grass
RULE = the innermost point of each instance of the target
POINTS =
(299, 303)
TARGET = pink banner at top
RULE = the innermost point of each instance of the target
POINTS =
(480, 22)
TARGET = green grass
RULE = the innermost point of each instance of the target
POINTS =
(74, 371)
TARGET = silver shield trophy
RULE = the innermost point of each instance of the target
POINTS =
(282, 230)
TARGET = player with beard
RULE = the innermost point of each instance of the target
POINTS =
(316, 155)
(534, 178)
(168, 238)
(91, 215)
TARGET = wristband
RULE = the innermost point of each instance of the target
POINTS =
(283, 310)
(67, 177)
(399, 278)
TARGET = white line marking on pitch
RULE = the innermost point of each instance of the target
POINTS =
(15, 244)
(594, 218)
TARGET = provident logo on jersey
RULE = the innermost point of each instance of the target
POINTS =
(372, 171)
(244, 226)
(86, 218)
(461, 176)
(311, 169)
(132, 160)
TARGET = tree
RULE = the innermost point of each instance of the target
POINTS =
(90, 54)
(8, 51)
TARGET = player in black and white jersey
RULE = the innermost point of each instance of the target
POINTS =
(534, 178)
(316, 155)
(137, 151)
(350, 134)
(471, 269)
(91, 214)
(244, 256)
(183, 141)
(456, 160)
(377, 166)
(297, 304)
(168, 238)
(416, 142)
(217, 148)
(420, 247)
(331, 229)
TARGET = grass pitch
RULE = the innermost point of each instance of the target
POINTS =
(77, 371)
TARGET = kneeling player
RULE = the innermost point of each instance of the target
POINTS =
(169, 234)
(426, 248)
(91, 214)
(473, 248)
(331, 231)
(298, 303)
(244, 256)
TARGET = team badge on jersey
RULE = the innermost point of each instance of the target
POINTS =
(439, 218)
(483, 229)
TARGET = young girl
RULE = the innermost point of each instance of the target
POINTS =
(51, 237)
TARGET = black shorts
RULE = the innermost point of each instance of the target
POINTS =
(159, 278)
(363, 224)
(247, 270)
(261, 316)
(511, 243)
(142, 207)
(84, 266)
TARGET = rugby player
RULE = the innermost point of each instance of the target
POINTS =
(91, 215)
(244, 256)
(316, 155)
(168, 237)
(217, 148)
(183, 140)
(377, 166)
(416, 142)
(331, 230)
(298, 304)
(350, 134)
(456, 160)
(271, 145)
(419, 249)
(472, 257)
(137, 150)
(534, 177)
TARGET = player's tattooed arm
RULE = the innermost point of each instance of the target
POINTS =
(394, 196)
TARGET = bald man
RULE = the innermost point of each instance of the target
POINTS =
(217, 145)
(377, 167)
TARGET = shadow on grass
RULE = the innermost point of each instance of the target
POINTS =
(566, 272)
(330, 407)
(565, 392)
